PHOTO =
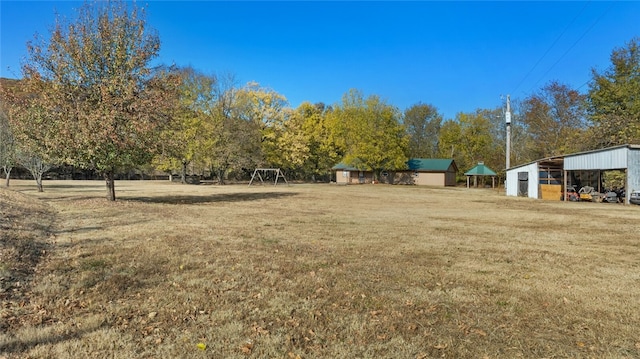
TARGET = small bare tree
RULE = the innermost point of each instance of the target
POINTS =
(35, 164)
(7, 145)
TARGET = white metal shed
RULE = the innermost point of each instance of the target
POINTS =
(520, 180)
(525, 180)
(625, 158)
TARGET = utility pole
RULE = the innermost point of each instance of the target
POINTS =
(507, 117)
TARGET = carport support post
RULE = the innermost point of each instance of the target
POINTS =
(564, 192)
(600, 190)
(627, 194)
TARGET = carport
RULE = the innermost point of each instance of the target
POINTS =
(589, 166)
(547, 178)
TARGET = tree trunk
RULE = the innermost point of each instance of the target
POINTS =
(7, 171)
(183, 175)
(39, 182)
(220, 176)
(36, 172)
(111, 188)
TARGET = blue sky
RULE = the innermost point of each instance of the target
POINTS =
(457, 56)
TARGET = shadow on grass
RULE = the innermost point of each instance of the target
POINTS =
(74, 185)
(78, 230)
(93, 230)
(215, 198)
(25, 256)
(26, 230)
(20, 346)
(75, 198)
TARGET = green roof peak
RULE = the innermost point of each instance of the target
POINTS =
(480, 170)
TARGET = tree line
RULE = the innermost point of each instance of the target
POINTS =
(90, 98)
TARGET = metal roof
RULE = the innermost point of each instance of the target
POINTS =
(554, 159)
(413, 164)
(604, 149)
(344, 167)
(480, 170)
(601, 159)
(431, 164)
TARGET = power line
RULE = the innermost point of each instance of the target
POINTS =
(550, 47)
(579, 87)
(573, 45)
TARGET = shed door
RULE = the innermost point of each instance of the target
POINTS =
(523, 184)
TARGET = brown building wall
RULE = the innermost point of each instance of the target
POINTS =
(450, 178)
(361, 177)
(399, 177)
(425, 178)
(342, 177)
(353, 177)
(430, 179)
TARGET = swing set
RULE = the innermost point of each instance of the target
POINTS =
(266, 174)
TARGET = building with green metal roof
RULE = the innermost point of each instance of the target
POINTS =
(419, 171)
(480, 171)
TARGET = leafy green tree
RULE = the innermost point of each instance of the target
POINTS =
(31, 130)
(467, 139)
(423, 123)
(372, 135)
(480, 136)
(292, 146)
(450, 139)
(236, 134)
(304, 144)
(95, 82)
(323, 151)
(554, 119)
(264, 108)
(613, 101)
(188, 137)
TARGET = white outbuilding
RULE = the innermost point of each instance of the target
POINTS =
(549, 177)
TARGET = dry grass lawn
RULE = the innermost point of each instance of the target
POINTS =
(313, 271)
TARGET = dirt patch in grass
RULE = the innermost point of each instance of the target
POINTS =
(320, 271)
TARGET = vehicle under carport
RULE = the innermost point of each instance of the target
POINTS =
(547, 178)
(587, 168)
